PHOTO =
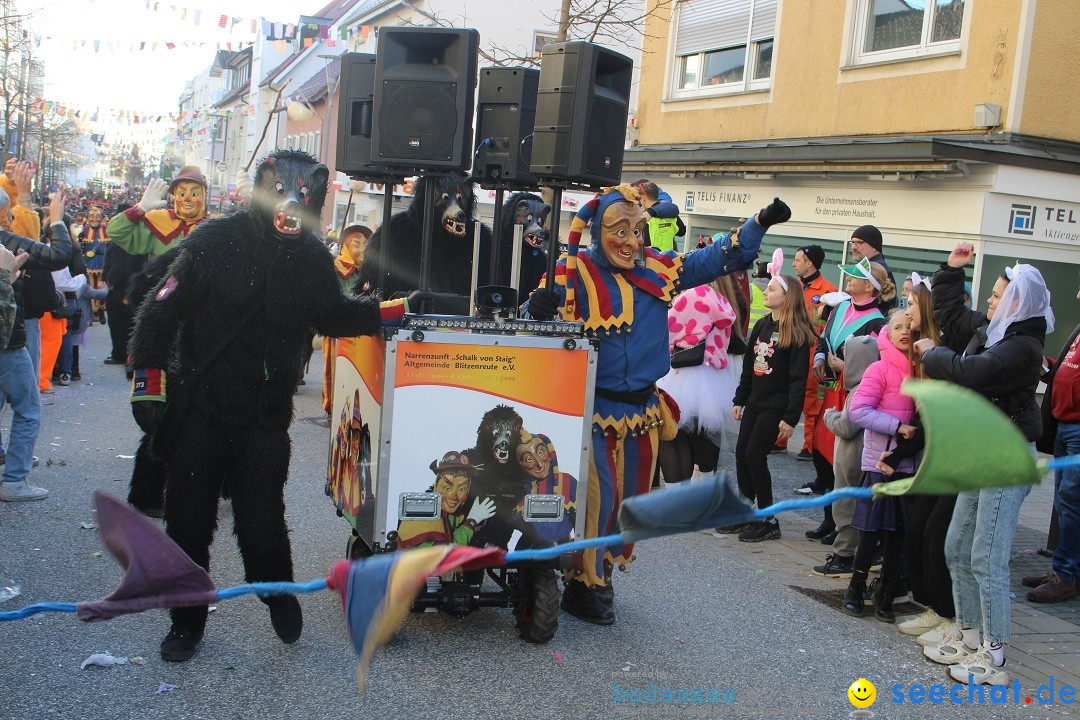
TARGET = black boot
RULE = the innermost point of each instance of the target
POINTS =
(585, 604)
(853, 598)
(606, 593)
(285, 616)
(883, 600)
(184, 636)
(827, 526)
(75, 374)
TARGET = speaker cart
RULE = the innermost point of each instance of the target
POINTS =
(515, 396)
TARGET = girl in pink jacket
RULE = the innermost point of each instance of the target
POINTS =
(883, 412)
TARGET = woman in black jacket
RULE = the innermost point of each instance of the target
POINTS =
(1001, 359)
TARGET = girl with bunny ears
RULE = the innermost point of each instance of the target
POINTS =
(769, 399)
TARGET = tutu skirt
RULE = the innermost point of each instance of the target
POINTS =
(704, 395)
(883, 513)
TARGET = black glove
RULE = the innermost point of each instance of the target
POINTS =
(417, 300)
(148, 414)
(774, 214)
(543, 304)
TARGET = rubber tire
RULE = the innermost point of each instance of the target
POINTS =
(537, 615)
(356, 548)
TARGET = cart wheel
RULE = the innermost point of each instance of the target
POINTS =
(357, 548)
(537, 614)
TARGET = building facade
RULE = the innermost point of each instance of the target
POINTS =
(937, 122)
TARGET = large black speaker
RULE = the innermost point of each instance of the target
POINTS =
(506, 114)
(581, 111)
(425, 88)
(354, 118)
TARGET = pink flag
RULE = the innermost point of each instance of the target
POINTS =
(223, 21)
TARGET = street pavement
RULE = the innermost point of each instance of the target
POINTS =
(696, 611)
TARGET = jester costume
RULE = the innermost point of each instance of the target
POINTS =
(554, 482)
(626, 311)
(150, 233)
(93, 241)
(346, 268)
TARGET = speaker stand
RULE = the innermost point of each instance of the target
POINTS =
(553, 237)
(496, 221)
(428, 236)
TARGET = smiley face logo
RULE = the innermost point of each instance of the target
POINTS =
(862, 693)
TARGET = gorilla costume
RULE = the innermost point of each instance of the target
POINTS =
(235, 307)
(451, 247)
(532, 212)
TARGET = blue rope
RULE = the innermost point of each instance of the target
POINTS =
(272, 588)
(35, 609)
(1063, 462)
(609, 540)
(848, 493)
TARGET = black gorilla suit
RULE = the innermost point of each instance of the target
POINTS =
(256, 264)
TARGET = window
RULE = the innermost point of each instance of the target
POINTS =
(723, 46)
(903, 29)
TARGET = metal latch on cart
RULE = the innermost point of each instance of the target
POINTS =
(544, 508)
(419, 506)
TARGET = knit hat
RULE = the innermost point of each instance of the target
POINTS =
(815, 254)
(869, 235)
(188, 173)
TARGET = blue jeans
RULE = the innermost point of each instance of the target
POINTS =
(33, 343)
(63, 359)
(977, 549)
(1066, 562)
(20, 386)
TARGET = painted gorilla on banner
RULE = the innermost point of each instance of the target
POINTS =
(532, 212)
(236, 307)
(451, 248)
(499, 475)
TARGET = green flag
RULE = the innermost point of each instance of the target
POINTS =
(970, 444)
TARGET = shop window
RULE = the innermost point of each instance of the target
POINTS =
(887, 30)
(723, 46)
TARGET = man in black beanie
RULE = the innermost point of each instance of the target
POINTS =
(866, 243)
(808, 260)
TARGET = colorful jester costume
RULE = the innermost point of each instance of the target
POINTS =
(93, 241)
(626, 311)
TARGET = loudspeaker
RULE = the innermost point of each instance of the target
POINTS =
(506, 114)
(581, 110)
(425, 89)
(354, 117)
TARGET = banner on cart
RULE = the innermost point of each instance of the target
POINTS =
(483, 426)
(355, 421)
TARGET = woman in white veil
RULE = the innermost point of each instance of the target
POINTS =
(999, 354)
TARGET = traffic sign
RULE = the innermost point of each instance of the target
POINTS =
(222, 166)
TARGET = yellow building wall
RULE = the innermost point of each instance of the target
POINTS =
(811, 96)
(1051, 106)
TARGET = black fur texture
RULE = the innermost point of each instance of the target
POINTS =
(499, 477)
(243, 286)
(289, 192)
(451, 254)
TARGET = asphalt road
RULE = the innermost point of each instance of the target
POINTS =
(691, 614)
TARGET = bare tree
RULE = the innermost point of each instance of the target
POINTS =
(620, 22)
(15, 49)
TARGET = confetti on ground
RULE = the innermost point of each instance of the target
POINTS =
(558, 657)
(102, 660)
(87, 526)
(165, 687)
(126, 457)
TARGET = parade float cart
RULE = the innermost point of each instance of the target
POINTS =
(507, 393)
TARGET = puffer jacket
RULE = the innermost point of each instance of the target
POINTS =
(879, 407)
(1007, 374)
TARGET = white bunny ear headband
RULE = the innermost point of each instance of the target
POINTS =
(776, 267)
(917, 279)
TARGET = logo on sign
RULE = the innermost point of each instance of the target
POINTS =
(689, 201)
(1022, 219)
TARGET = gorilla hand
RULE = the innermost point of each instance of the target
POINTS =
(148, 414)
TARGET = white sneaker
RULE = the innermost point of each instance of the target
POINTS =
(920, 623)
(946, 631)
(948, 654)
(21, 491)
(980, 666)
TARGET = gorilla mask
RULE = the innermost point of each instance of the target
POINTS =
(290, 189)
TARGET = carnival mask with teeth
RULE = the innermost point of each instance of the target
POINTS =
(290, 189)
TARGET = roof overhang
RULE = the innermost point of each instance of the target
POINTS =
(862, 155)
